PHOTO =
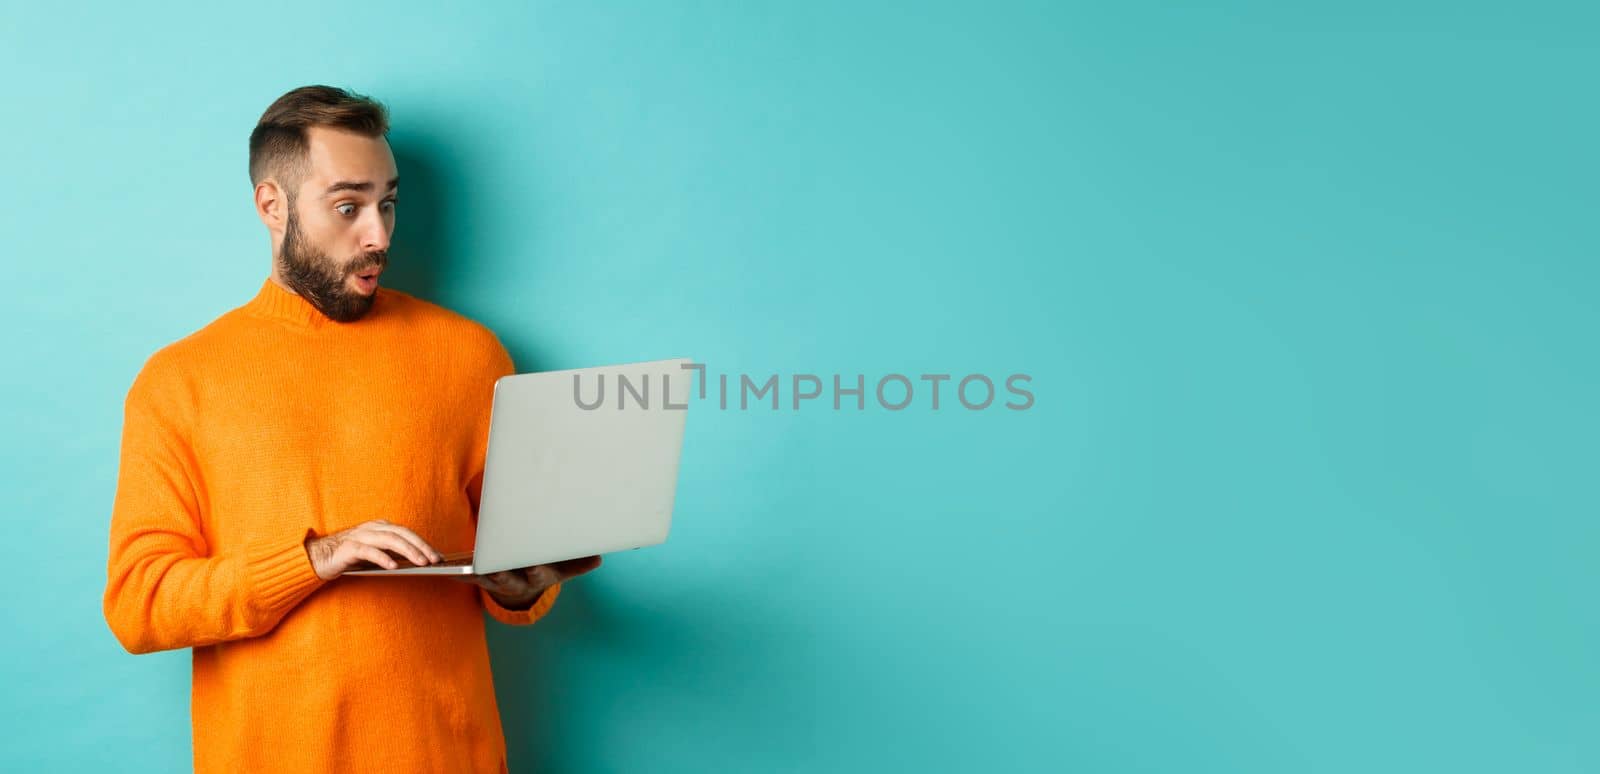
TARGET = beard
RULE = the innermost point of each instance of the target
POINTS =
(321, 280)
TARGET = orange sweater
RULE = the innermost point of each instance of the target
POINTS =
(274, 423)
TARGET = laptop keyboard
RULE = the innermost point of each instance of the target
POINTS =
(458, 559)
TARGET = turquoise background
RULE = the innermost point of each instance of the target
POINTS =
(1307, 293)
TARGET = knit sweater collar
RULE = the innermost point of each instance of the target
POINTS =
(279, 303)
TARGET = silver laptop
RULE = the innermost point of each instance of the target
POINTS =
(580, 462)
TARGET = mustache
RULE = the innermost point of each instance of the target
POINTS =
(369, 262)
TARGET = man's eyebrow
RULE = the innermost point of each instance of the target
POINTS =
(363, 186)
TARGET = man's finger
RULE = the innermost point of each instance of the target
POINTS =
(571, 568)
(411, 538)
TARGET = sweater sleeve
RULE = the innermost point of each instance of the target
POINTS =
(519, 617)
(499, 364)
(164, 588)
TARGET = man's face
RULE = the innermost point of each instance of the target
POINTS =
(336, 240)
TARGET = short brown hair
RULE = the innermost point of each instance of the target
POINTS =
(278, 145)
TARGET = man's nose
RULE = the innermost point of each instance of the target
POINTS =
(374, 233)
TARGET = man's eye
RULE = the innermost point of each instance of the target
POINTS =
(391, 202)
(341, 210)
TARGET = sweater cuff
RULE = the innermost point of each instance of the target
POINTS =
(520, 617)
(278, 574)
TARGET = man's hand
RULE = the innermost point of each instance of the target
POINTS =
(518, 589)
(332, 555)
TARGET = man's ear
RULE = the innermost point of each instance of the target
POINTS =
(271, 206)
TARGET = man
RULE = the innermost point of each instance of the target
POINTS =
(326, 423)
